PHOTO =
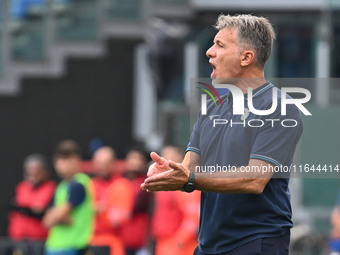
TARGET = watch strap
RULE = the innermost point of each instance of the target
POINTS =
(191, 178)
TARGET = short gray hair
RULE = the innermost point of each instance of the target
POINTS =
(39, 158)
(255, 32)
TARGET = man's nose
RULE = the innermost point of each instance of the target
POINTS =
(210, 52)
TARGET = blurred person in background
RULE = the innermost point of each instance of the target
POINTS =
(70, 217)
(32, 197)
(176, 216)
(113, 197)
(134, 233)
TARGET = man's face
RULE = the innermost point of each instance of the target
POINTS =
(103, 164)
(66, 167)
(35, 172)
(135, 161)
(225, 55)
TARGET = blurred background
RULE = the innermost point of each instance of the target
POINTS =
(117, 73)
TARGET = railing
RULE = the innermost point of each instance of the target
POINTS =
(77, 21)
(32, 28)
(125, 10)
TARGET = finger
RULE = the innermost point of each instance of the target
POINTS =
(175, 165)
(159, 186)
(143, 186)
(158, 177)
(151, 170)
(155, 157)
(151, 187)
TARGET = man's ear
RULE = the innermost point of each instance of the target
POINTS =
(247, 57)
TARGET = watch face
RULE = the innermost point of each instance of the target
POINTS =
(189, 187)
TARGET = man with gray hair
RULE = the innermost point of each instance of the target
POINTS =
(32, 197)
(243, 212)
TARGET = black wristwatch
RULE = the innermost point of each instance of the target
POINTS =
(190, 185)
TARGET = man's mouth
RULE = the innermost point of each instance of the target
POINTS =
(214, 68)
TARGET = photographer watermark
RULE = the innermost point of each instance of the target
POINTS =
(243, 106)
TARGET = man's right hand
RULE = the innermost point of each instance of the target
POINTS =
(161, 165)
